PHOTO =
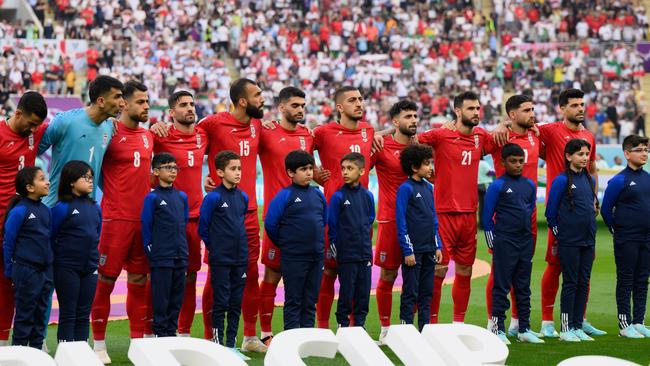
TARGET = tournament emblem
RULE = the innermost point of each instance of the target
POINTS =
(198, 140)
(31, 142)
(476, 140)
(382, 257)
(145, 141)
(530, 139)
(271, 254)
(252, 131)
(102, 259)
(303, 144)
(105, 140)
(364, 135)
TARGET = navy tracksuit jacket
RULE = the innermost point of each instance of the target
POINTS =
(417, 231)
(510, 201)
(165, 214)
(350, 216)
(626, 211)
(28, 262)
(295, 222)
(76, 226)
(221, 226)
(575, 231)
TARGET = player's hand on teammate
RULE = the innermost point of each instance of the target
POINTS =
(208, 184)
(321, 175)
(409, 260)
(160, 129)
(438, 256)
(501, 133)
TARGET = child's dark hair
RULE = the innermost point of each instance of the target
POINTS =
(297, 159)
(632, 141)
(355, 158)
(413, 156)
(223, 158)
(572, 147)
(24, 177)
(161, 159)
(72, 170)
(511, 150)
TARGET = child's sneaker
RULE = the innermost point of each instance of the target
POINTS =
(529, 337)
(239, 354)
(591, 330)
(630, 332)
(503, 338)
(582, 335)
(641, 329)
(569, 336)
(548, 331)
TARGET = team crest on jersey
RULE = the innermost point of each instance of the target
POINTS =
(104, 140)
(303, 143)
(476, 141)
(252, 131)
(364, 135)
(271, 254)
(382, 257)
(102, 259)
(530, 139)
(198, 140)
(31, 142)
(145, 140)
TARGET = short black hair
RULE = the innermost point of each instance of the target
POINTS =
(33, 103)
(510, 149)
(223, 158)
(515, 101)
(102, 85)
(460, 98)
(238, 89)
(632, 141)
(567, 94)
(402, 105)
(413, 156)
(161, 159)
(342, 90)
(131, 86)
(356, 158)
(290, 92)
(297, 159)
(173, 99)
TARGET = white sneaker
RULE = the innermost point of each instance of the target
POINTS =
(382, 336)
(253, 344)
(642, 329)
(102, 355)
(630, 332)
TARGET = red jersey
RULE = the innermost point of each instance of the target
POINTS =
(554, 136)
(274, 146)
(529, 142)
(16, 152)
(333, 141)
(390, 177)
(456, 160)
(228, 133)
(125, 173)
(188, 149)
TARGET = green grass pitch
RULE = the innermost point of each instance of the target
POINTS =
(601, 312)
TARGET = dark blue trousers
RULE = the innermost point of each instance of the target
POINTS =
(228, 288)
(512, 266)
(632, 271)
(354, 292)
(417, 289)
(301, 286)
(167, 289)
(75, 291)
(576, 262)
(32, 289)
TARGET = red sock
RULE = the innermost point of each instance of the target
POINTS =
(325, 300)
(148, 322)
(460, 294)
(186, 316)
(100, 309)
(7, 306)
(513, 302)
(488, 294)
(206, 304)
(267, 303)
(136, 308)
(384, 301)
(550, 286)
(435, 299)
(251, 301)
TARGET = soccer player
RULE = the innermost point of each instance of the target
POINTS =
(19, 137)
(296, 222)
(288, 135)
(510, 201)
(626, 212)
(187, 143)
(521, 113)
(457, 155)
(571, 211)
(388, 256)
(333, 141)
(83, 133)
(350, 216)
(125, 173)
(240, 131)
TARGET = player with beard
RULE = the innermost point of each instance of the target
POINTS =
(388, 255)
(19, 137)
(188, 143)
(125, 183)
(239, 131)
(333, 141)
(275, 143)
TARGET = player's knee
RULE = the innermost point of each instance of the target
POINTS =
(463, 270)
(271, 275)
(107, 279)
(135, 278)
(441, 271)
(388, 275)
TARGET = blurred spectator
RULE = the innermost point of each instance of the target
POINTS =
(618, 163)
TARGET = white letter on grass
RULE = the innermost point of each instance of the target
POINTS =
(76, 354)
(24, 356)
(465, 344)
(177, 351)
(289, 347)
(409, 345)
(359, 349)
